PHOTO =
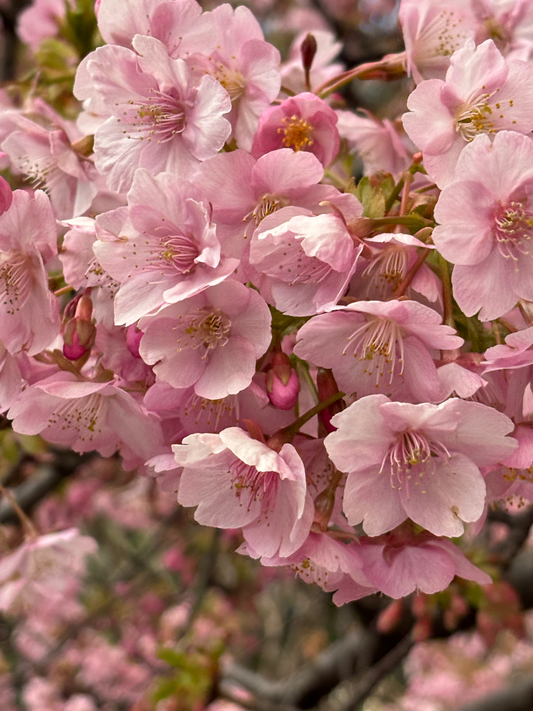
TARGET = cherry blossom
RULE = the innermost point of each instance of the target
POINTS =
(418, 461)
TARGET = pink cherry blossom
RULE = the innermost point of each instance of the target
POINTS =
(236, 481)
(245, 65)
(156, 116)
(211, 341)
(303, 123)
(483, 93)
(433, 31)
(400, 562)
(162, 249)
(417, 461)
(489, 202)
(86, 415)
(181, 26)
(29, 313)
(41, 20)
(42, 568)
(377, 142)
(393, 256)
(244, 191)
(305, 261)
(374, 346)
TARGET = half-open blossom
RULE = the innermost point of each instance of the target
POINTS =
(416, 461)
(236, 481)
(243, 191)
(211, 341)
(486, 225)
(379, 346)
(156, 116)
(304, 123)
(305, 261)
(483, 93)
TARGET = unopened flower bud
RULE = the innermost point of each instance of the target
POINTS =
(133, 340)
(282, 382)
(79, 332)
(6, 195)
(327, 387)
(308, 50)
(390, 618)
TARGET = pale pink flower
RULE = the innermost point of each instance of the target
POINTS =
(375, 346)
(401, 562)
(514, 480)
(393, 256)
(433, 31)
(417, 461)
(483, 93)
(183, 412)
(41, 20)
(181, 26)
(156, 116)
(243, 191)
(236, 481)
(45, 150)
(162, 249)
(509, 23)
(326, 562)
(305, 261)
(86, 415)
(211, 341)
(43, 567)
(28, 239)
(377, 142)
(245, 65)
(486, 225)
(303, 123)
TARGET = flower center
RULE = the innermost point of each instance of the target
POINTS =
(232, 80)
(253, 485)
(179, 252)
(512, 230)
(209, 414)
(380, 342)
(474, 118)
(266, 206)
(387, 270)
(15, 281)
(162, 116)
(206, 328)
(413, 455)
(296, 133)
(84, 416)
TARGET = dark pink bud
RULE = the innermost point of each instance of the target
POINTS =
(133, 340)
(327, 387)
(308, 50)
(6, 195)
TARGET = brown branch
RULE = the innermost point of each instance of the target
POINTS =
(517, 697)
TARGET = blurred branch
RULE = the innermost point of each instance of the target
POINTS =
(362, 688)
(518, 697)
(43, 482)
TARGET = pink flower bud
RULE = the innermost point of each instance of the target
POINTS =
(6, 195)
(79, 332)
(308, 50)
(282, 382)
(133, 340)
(390, 618)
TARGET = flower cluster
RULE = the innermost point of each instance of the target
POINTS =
(197, 284)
